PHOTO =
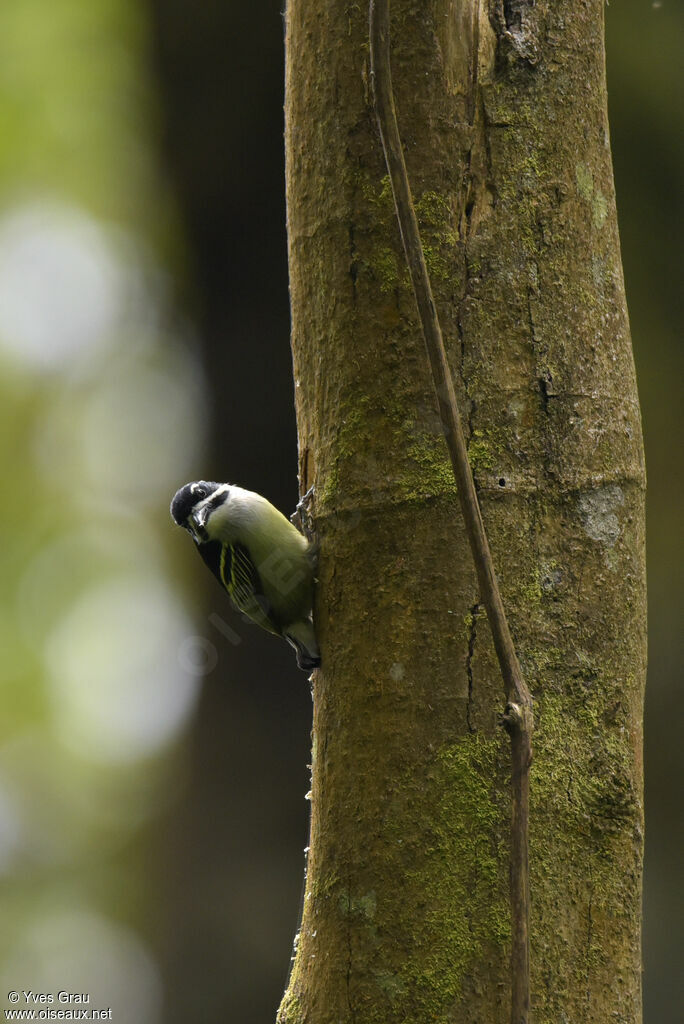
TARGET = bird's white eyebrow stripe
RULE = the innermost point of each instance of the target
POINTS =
(211, 502)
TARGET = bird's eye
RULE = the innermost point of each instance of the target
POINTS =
(199, 491)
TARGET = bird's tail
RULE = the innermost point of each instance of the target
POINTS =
(302, 637)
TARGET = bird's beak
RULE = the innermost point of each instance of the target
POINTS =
(195, 523)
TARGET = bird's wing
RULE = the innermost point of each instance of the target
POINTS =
(241, 579)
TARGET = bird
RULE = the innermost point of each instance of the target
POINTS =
(263, 562)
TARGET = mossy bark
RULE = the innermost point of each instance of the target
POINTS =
(503, 115)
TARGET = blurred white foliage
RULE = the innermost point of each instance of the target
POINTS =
(119, 690)
(82, 952)
(118, 430)
(138, 434)
(62, 285)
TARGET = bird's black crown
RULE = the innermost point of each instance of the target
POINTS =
(187, 497)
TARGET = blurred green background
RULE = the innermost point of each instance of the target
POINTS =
(153, 750)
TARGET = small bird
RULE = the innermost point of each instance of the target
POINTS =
(262, 560)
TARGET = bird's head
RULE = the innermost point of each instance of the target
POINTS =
(193, 505)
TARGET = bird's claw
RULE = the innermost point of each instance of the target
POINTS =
(302, 517)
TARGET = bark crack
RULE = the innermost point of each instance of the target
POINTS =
(472, 637)
(545, 383)
(514, 22)
(478, 191)
(514, 11)
(470, 404)
(352, 1014)
(590, 930)
(465, 229)
(530, 314)
(353, 262)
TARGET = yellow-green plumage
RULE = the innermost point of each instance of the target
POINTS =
(241, 579)
(264, 563)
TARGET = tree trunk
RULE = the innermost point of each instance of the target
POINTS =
(503, 116)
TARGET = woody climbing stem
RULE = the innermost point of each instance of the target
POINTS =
(518, 716)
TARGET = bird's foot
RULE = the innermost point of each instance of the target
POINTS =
(302, 516)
